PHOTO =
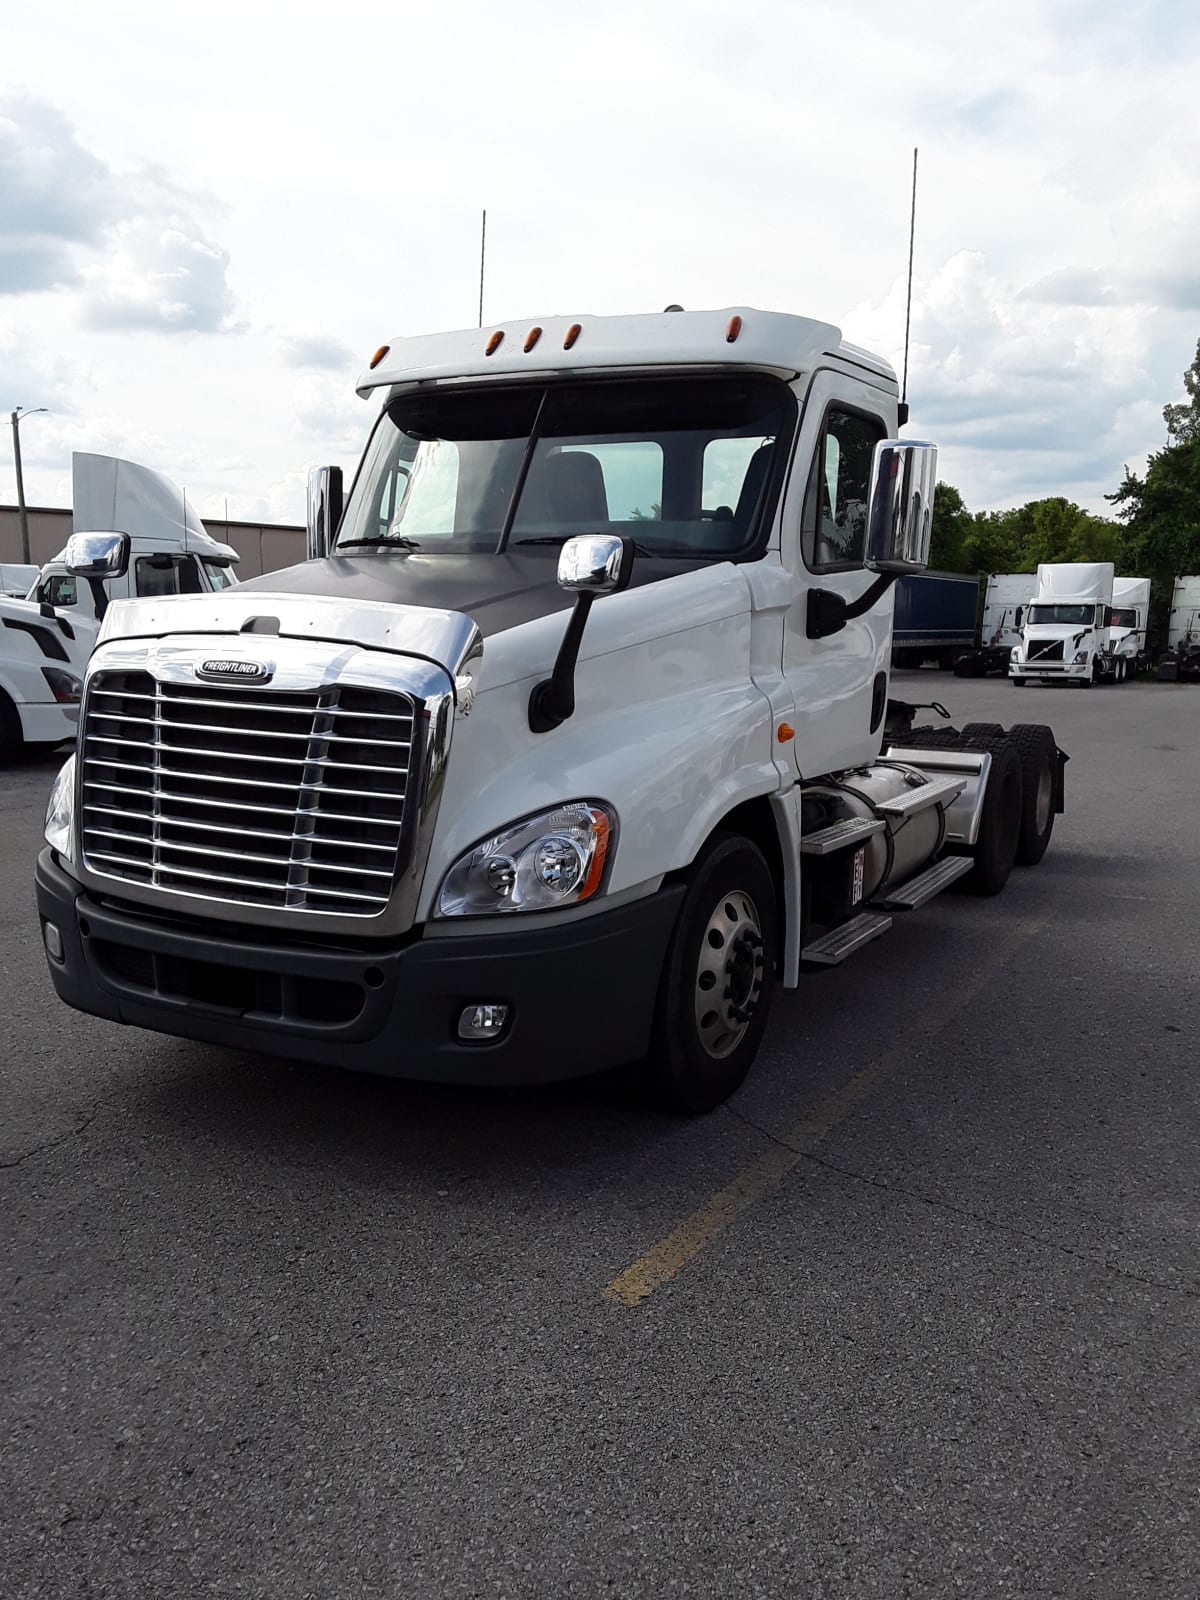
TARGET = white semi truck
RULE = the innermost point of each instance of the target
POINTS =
(1005, 598)
(1128, 619)
(1181, 659)
(571, 738)
(45, 640)
(1065, 636)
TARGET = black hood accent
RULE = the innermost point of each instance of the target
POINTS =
(496, 591)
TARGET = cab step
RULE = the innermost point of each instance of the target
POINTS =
(908, 896)
(838, 835)
(842, 941)
(925, 794)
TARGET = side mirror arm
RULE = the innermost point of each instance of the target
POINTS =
(552, 701)
(99, 597)
(828, 613)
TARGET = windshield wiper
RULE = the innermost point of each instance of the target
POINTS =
(381, 541)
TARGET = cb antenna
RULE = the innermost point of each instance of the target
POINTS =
(482, 260)
(912, 233)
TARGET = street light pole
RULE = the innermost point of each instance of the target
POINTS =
(17, 417)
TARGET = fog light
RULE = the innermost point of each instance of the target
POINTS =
(54, 942)
(482, 1022)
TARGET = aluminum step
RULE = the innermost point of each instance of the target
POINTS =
(925, 794)
(840, 834)
(845, 939)
(908, 896)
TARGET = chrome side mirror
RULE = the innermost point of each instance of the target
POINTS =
(324, 509)
(596, 563)
(98, 555)
(900, 508)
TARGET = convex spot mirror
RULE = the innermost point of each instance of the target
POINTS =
(98, 555)
(900, 506)
(595, 563)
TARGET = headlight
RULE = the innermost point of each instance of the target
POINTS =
(556, 858)
(64, 686)
(1015, 653)
(60, 812)
(1080, 657)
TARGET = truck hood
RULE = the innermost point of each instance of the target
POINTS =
(524, 626)
(1045, 631)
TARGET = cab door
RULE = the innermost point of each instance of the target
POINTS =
(840, 681)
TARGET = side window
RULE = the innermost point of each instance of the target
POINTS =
(724, 473)
(155, 575)
(58, 590)
(632, 475)
(834, 526)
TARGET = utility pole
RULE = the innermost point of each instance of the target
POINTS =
(17, 417)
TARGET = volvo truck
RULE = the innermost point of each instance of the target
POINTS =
(1065, 636)
(569, 742)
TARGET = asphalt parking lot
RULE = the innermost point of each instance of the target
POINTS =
(917, 1315)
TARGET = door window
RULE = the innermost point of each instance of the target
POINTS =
(58, 590)
(155, 575)
(833, 532)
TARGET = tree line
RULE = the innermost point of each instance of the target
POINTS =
(1154, 532)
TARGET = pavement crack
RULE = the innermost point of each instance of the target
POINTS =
(53, 1144)
(978, 1217)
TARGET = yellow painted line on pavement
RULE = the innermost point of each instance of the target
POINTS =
(664, 1259)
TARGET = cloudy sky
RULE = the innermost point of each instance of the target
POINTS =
(211, 215)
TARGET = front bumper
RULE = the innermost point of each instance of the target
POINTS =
(1049, 669)
(582, 994)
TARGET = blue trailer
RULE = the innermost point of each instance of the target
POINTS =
(935, 618)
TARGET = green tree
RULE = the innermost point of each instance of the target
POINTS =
(1183, 419)
(951, 529)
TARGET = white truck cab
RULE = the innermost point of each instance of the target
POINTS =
(1127, 621)
(16, 579)
(1065, 635)
(46, 639)
(570, 739)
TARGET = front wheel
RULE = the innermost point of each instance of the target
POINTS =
(1017, 683)
(10, 730)
(717, 978)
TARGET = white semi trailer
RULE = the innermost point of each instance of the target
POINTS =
(569, 741)
(45, 640)
(1181, 659)
(1065, 636)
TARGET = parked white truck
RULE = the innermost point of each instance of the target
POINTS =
(572, 736)
(1005, 598)
(1181, 659)
(16, 579)
(1065, 637)
(1128, 618)
(45, 640)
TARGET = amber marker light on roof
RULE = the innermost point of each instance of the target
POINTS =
(379, 355)
(532, 338)
(734, 328)
(573, 333)
(495, 342)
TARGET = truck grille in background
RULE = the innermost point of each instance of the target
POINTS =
(291, 799)
(1051, 650)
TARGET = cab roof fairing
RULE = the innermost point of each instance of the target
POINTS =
(765, 341)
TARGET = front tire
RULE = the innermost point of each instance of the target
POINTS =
(717, 979)
(11, 737)
(1017, 683)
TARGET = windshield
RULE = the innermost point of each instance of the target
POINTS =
(220, 573)
(1122, 617)
(681, 465)
(1061, 613)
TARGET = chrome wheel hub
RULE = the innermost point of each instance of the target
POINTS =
(729, 974)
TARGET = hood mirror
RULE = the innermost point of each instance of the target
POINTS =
(97, 555)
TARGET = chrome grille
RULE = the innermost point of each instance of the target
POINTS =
(291, 799)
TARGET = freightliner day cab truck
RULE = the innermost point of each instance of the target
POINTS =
(1068, 635)
(572, 737)
(45, 640)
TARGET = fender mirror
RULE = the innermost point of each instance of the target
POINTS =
(588, 565)
(900, 506)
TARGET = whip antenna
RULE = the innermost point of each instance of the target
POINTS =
(908, 306)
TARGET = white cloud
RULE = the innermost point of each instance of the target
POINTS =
(161, 274)
(307, 347)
